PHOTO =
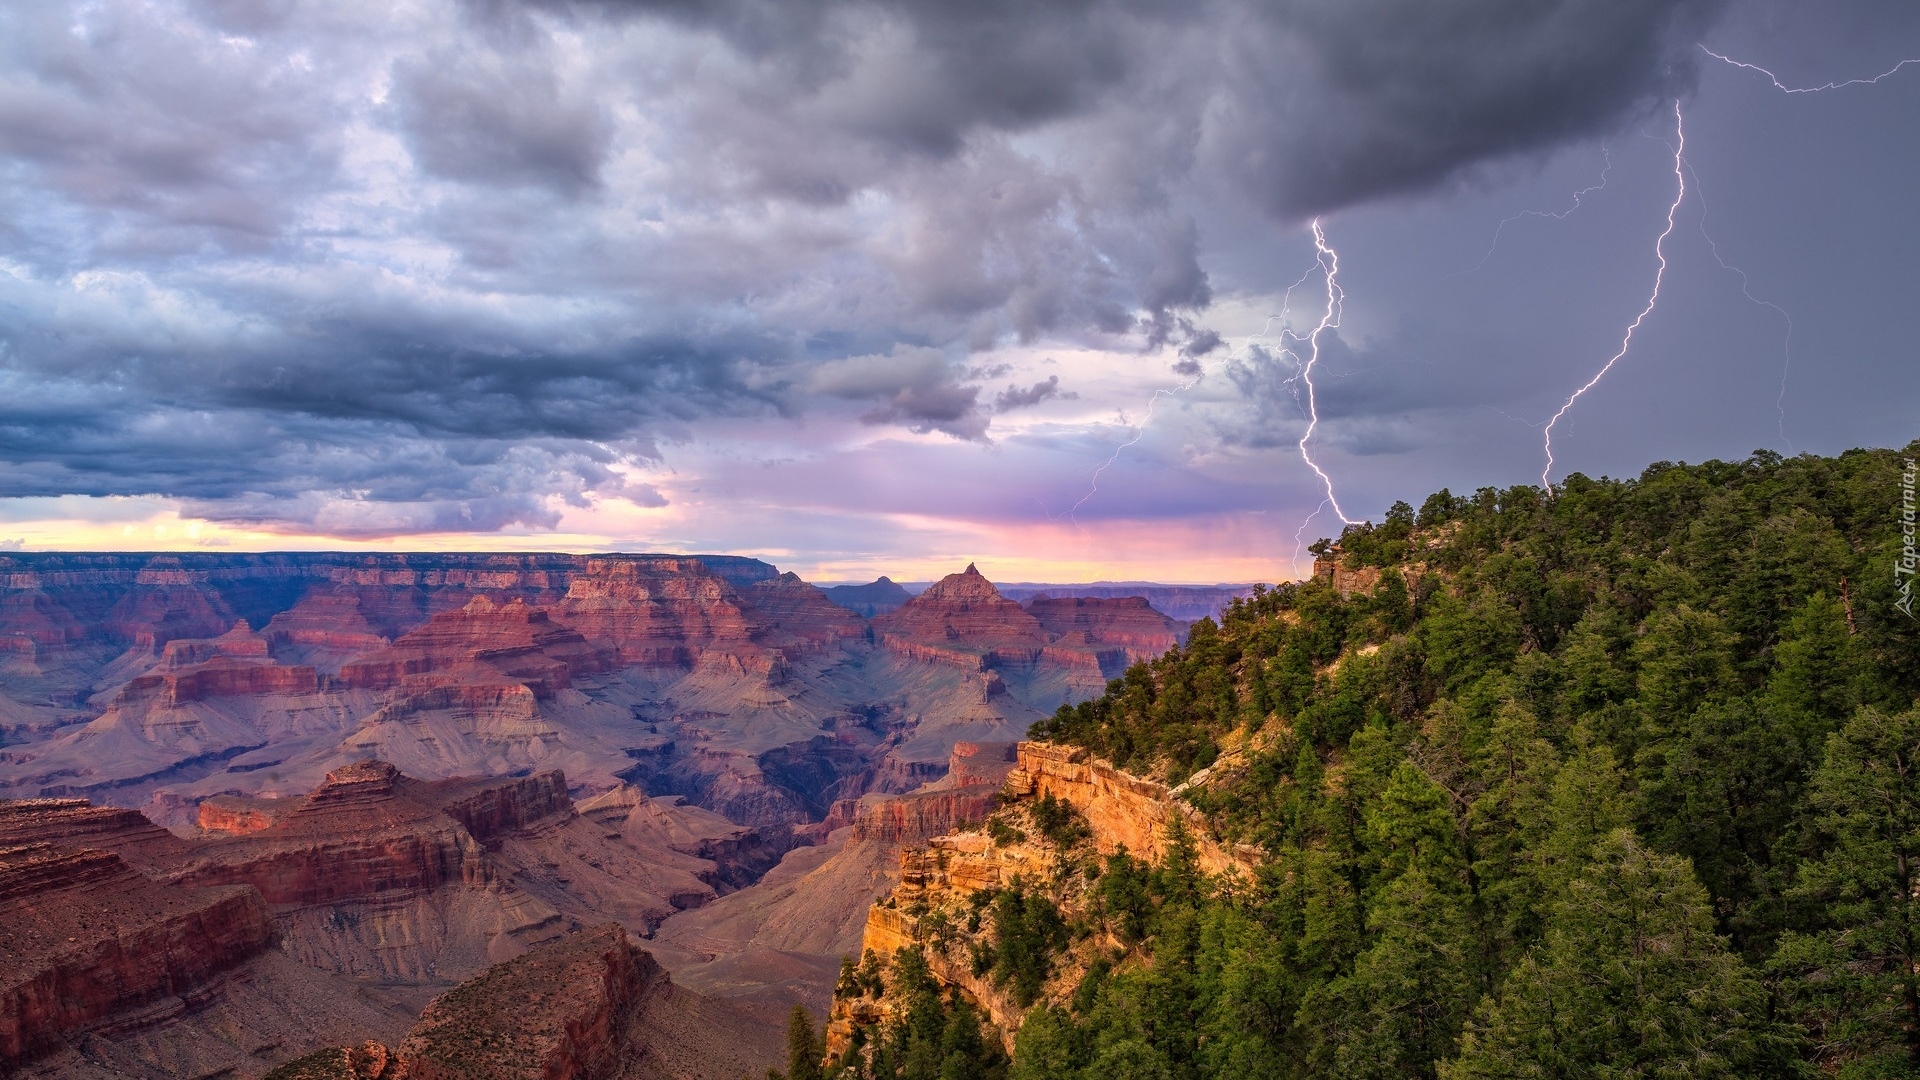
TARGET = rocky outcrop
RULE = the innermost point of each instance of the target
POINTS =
(558, 1013)
(223, 678)
(368, 1061)
(590, 1006)
(355, 836)
(963, 620)
(1072, 643)
(369, 830)
(492, 808)
(981, 763)
(77, 823)
(233, 815)
(967, 793)
(800, 618)
(1123, 810)
(1126, 623)
(939, 881)
(83, 935)
(519, 642)
(914, 817)
(656, 611)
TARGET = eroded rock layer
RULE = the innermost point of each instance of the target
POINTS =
(83, 936)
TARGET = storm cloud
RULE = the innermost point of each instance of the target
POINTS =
(453, 266)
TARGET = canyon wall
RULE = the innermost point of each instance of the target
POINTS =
(83, 936)
(940, 880)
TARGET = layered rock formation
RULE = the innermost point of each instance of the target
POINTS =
(1126, 624)
(1123, 810)
(372, 875)
(963, 620)
(656, 611)
(713, 715)
(939, 882)
(589, 1007)
(83, 936)
(800, 617)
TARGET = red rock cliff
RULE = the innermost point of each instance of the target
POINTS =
(1125, 622)
(561, 1012)
(367, 830)
(962, 619)
(83, 935)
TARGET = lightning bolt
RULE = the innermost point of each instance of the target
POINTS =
(1786, 365)
(1140, 431)
(1659, 253)
(1557, 216)
(1300, 536)
(1785, 89)
(1329, 261)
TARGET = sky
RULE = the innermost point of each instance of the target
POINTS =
(864, 287)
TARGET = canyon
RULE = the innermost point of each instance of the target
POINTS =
(281, 803)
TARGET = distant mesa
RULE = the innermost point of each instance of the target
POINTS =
(871, 599)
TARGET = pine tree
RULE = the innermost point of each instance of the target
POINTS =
(1630, 981)
(1853, 981)
(804, 1048)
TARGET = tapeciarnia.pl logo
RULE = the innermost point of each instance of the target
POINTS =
(1903, 567)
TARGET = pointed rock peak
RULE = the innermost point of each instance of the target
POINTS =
(480, 605)
(883, 580)
(969, 584)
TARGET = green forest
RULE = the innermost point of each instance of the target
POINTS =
(1617, 780)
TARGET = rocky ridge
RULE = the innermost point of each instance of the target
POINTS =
(592, 1006)
(941, 882)
(84, 936)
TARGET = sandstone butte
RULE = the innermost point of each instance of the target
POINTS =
(962, 620)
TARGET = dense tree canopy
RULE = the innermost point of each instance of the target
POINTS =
(1617, 780)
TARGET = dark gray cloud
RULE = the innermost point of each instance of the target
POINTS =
(1336, 102)
(478, 115)
(458, 264)
(1303, 106)
(1014, 397)
(915, 387)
